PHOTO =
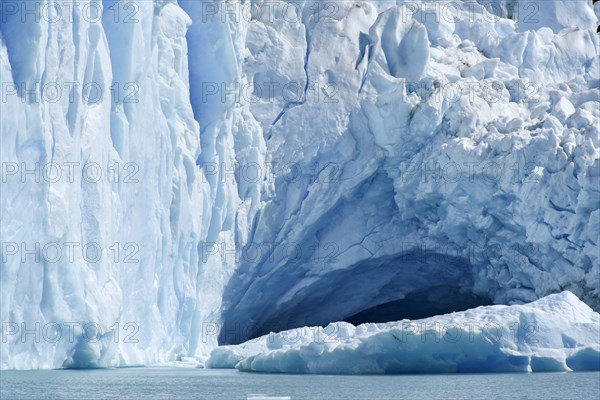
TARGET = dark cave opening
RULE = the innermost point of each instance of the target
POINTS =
(420, 304)
(387, 289)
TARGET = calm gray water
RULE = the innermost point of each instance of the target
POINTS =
(171, 383)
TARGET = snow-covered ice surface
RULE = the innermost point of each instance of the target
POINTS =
(555, 333)
(400, 148)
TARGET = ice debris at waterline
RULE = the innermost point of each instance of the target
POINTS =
(555, 333)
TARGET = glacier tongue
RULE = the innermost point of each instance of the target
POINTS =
(264, 171)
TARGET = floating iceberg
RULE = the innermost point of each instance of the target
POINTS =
(555, 333)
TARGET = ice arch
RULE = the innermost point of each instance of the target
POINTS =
(376, 259)
(387, 289)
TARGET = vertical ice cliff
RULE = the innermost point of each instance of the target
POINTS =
(230, 168)
(97, 106)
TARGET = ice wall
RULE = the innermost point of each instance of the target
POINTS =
(114, 209)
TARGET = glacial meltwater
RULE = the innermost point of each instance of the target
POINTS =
(180, 383)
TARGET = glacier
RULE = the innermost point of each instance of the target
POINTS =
(237, 172)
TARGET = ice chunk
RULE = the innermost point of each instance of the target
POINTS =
(92, 350)
(563, 110)
(555, 333)
(400, 47)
